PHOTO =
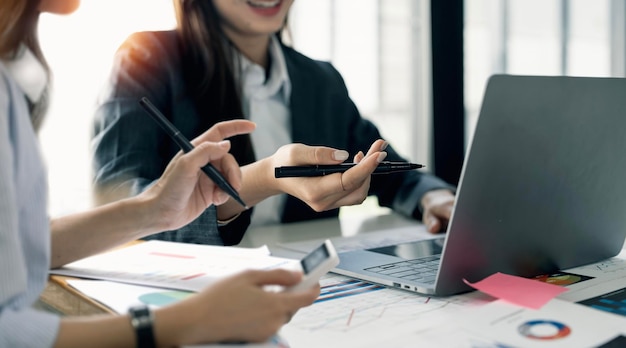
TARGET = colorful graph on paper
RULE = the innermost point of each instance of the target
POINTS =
(347, 304)
(163, 298)
(179, 266)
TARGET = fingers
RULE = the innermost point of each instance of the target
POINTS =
(217, 155)
(225, 306)
(300, 154)
(208, 152)
(197, 158)
(354, 178)
(378, 146)
(274, 277)
(299, 299)
(320, 154)
(225, 129)
(229, 167)
(436, 220)
(437, 206)
(359, 157)
(348, 188)
(433, 225)
(292, 301)
(284, 278)
(343, 188)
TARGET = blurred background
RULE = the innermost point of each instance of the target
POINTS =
(416, 68)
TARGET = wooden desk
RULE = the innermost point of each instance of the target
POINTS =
(61, 298)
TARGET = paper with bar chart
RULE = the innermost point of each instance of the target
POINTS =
(172, 265)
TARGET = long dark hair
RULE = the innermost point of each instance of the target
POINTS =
(208, 59)
(18, 25)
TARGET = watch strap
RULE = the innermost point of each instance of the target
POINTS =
(142, 321)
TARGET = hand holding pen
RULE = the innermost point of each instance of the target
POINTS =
(186, 146)
(321, 193)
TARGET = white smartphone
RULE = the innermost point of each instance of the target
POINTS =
(314, 265)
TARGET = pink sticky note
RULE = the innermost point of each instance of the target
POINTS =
(525, 292)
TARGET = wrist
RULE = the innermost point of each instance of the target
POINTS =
(147, 220)
(259, 180)
(271, 184)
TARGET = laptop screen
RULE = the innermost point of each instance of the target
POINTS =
(413, 250)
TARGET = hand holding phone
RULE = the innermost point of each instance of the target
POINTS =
(314, 265)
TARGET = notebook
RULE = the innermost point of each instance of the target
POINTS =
(543, 188)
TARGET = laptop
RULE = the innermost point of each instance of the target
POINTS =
(543, 188)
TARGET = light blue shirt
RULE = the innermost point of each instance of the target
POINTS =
(24, 225)
(266, 102)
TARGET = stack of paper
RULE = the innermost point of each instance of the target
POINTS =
(171, 265)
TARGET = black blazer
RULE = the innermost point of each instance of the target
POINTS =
(130, 152)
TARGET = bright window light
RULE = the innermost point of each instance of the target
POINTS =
(80, 49)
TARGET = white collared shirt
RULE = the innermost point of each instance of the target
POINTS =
(266, 102)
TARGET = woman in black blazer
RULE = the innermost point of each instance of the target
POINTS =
(226, 60)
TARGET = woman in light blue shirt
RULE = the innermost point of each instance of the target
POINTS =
(30, 243)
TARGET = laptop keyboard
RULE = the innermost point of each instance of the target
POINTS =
(423, 270)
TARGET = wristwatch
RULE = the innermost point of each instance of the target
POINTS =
(142, 321)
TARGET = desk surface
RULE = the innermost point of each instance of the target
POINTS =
(60, 298)
(368, 315)
(275, 235)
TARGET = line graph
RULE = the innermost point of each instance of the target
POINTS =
(346, 305)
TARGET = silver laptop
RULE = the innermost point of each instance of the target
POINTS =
(543, 188)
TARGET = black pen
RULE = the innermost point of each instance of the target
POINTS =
(325, 169)
(186, 146)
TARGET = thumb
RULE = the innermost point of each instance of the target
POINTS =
(207, 152)
(275, 277)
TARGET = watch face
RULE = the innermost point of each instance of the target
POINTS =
(142, 321)
(140, 316)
